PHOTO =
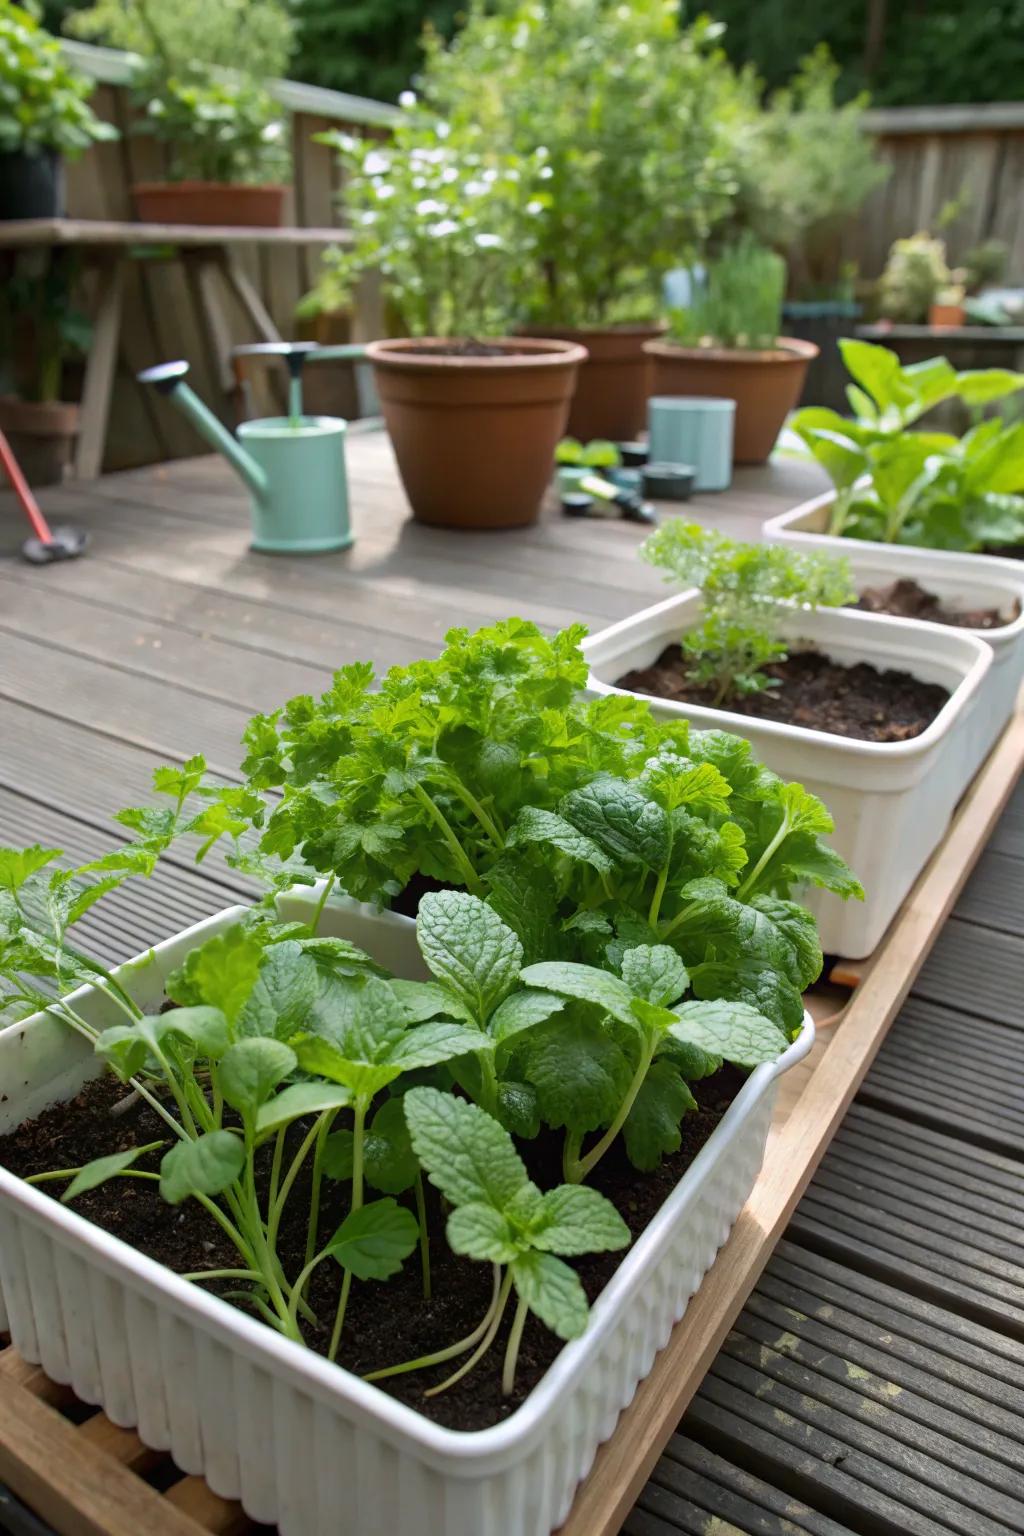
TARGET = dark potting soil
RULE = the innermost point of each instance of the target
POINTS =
(468, 348)
(385, 1323)
(908, 600)
(810, 690)
(407, 902)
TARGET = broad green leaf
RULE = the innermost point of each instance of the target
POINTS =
(553, 1291)
(521, 1010)
(250, 1070)
(480, 1232)
(206, 1166)
(207, 1028)
(469, 949)
(221, 973)
(436, 1041)
(283, 995)
(746, 980)
(654, 972)
(423, 1000)
(390, 1163)
(517, 1109)
(875, 369)
(339, 957)
(575, 1219)
(524, 899)
(362, 1079)
(534, 825)
(652, 1125)
(124, 1048)
(734, 1031)
(979, 386)
(100, 1170)
(801, 930)
(584, 982)
(580, 1072)
(628, 826)
(300, 1099)
(467, 1154)
(375, 1241)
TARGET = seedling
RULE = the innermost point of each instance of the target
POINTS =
(742, 588)
(597, 454)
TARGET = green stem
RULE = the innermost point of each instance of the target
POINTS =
(277, 1210)
(421, 1217)
(223, 1274)
(659, 891)
(328, 888)
(679, 919)
(275, 1172)
(358, 1126)
(323, 1131)
(472, 804)
(488, 1082)
(485, 1342)
(70, 1173)
(780, 836)
(578, 1170)
(456, 849)
(508, 1375)
(441, 1355)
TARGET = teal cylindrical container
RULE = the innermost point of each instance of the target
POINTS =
(693, 429)
(304, 507)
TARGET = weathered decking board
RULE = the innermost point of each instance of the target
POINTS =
(874, 1382)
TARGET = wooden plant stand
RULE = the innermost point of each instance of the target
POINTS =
(84, 1476)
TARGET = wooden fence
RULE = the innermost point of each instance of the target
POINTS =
(970, 156)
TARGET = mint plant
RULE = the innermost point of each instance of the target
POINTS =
(742, 587)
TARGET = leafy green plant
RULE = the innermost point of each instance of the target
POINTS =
(450, 223)
(597, 454)
(927, 488)
(44, 103)
(742, 588)
(739, 302)
(634, 181)
(914, 277)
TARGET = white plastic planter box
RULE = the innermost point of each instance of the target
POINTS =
(301, 1442)
(891, 801)
(960, 580)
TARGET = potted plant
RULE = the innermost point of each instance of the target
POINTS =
(726, 344)
(874, 713)
(640, 176)
(917, 286)
(474, 415)
(44, 117)
(40, 328)
(378, 1141)
(201, 92)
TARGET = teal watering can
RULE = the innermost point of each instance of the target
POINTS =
(293, 466)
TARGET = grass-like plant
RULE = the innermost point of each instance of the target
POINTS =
(737, 303)
(743, 587)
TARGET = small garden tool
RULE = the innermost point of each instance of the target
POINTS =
(46, 544)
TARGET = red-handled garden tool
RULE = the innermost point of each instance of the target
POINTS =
(46, 543)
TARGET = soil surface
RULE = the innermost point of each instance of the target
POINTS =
(907, 600)
(468, 348)
(810, 690)
(385, 1323)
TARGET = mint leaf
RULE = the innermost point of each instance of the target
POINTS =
(534, 825)
(622, 821)
(362, 1078)
(799, 927)
(423, 1000)
(731, 1030)
(206, 1166)
(468, 1156)
(283, 994)
(298, 1100)
(469, 949)
(517, 1109)
(374, 1241)
(250, 1071)
(437, 1041)
(521, 1010)
(339, 957)
(553, 1291)
(655, 972)
(575, 1219)
(480, 1232)
(652, 1125)
(580, 1072)
(524, 899)
(584, 982)
(745, 980)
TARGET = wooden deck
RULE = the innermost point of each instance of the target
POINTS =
(874, 1383)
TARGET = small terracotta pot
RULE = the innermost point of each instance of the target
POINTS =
(943, 315)
(42, 435)
(765, 385)
(615, 381)
(475, 435)
(209, 202)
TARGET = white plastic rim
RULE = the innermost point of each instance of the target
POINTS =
(132, 1336)
(891, 801)
(961, 580)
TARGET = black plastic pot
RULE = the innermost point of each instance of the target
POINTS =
(31, 185)
(823, 323)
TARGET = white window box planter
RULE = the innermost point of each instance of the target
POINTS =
(301, 1442)
(891, 801)
(960, 580)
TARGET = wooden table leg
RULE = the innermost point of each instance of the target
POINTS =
(100, 368)
(201, 268)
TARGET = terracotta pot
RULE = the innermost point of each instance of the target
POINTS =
(475, 435)
(42, 435)
(941, 315)
(209, 202)
(614, 383)
(765, 386)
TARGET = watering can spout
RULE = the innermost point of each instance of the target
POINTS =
(169, 379)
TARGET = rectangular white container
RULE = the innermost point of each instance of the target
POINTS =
(960, 580)
(891, 802)
(301, 1442)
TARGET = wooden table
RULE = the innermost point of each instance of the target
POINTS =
(207, 254)
(919, 341)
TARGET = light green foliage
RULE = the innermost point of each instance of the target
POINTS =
(739, 302)
(633, 115)
(44, 103)
(742, 587)
(915, 274)
(925, 488)
(449, 219)
(597, 454)
(202, 86)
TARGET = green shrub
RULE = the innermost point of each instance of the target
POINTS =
(44, 103)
